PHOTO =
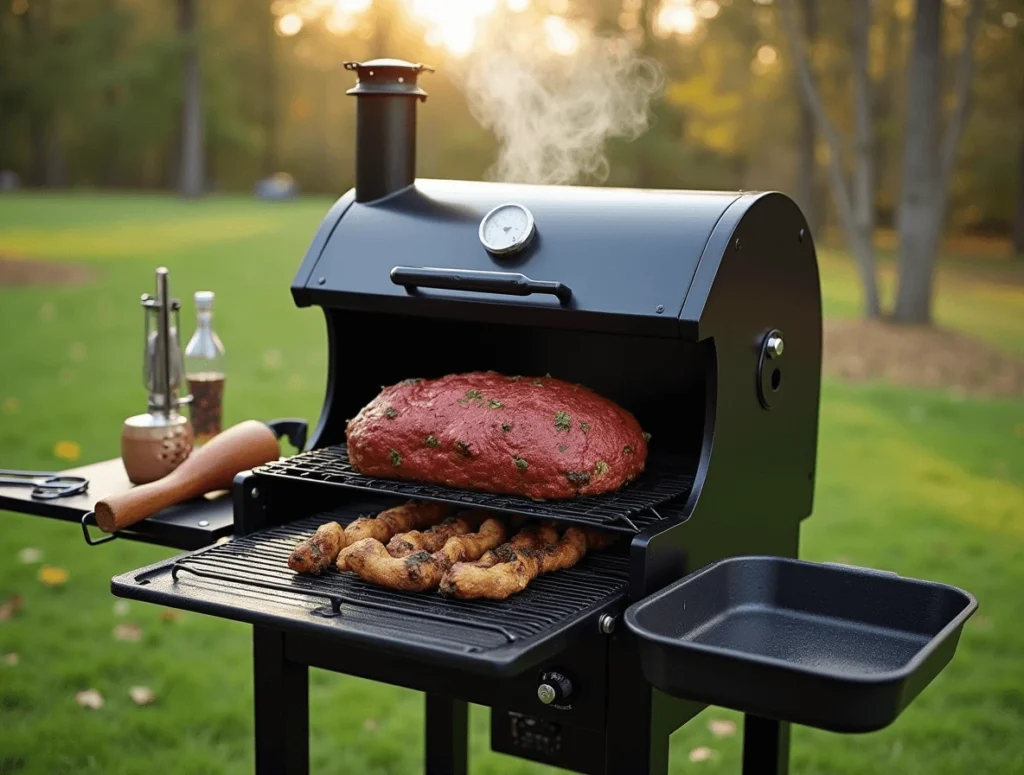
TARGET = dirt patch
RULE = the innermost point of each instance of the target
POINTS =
(15, 272)
(917, 356)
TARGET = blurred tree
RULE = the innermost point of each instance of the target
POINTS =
(854, 194)
(929, 154)
(192, 163)
(806, 183)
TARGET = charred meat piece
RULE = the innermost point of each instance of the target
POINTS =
(434, 538)
(421, 570)
(536, 437)
(401, 519)
(505, 578)
(317, 553)
(527, 538)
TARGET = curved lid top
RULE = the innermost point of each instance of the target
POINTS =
(388, 76)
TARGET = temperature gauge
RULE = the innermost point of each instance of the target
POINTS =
(506, 229)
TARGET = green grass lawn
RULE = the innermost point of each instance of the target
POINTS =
(916, 482)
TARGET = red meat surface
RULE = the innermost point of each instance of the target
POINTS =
(538, 437)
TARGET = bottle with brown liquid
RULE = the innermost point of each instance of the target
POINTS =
(204, 370)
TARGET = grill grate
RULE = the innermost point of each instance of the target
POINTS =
(255, 567)
(626, 510)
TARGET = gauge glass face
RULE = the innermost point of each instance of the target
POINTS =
(506, 228)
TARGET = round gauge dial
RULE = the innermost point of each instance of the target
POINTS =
(506, 229)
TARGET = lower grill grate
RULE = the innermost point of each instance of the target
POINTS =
(257, 565)
(623, 511)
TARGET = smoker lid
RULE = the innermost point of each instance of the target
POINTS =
(387, 76)
(599, 258)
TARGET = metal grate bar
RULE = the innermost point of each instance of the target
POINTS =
(627, 510)
(258, 562)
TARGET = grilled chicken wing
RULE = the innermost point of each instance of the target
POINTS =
(527, 538)
(421, 570)
(319, 551)
(409, 516)
(467, 581)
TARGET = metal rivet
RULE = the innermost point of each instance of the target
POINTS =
(774, 347)
(204, 523)
(736, 244)
(801, 235)
(321, 280)
(606, 624)
(546, 694)
(255, 493)
(659, 309)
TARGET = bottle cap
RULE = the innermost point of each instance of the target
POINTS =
(204, 300)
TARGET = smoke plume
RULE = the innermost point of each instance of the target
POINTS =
(553, 93)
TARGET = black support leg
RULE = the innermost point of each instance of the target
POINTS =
(281, 705)
(765, 746)
(447, 743)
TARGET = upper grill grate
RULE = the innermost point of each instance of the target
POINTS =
(627, 510)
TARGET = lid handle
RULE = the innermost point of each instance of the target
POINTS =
(508, 283)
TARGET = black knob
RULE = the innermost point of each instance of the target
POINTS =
(554, 688)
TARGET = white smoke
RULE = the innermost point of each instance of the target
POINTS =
(553, 93)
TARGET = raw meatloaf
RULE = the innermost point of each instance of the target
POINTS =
(538, 437)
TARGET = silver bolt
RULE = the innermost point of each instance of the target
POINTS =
(546, 694)
(606, 624)
(255, 494)
(775, 346)
(203, 523)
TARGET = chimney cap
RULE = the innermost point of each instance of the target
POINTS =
(388, 76)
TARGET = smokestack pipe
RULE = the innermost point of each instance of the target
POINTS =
(387, 93)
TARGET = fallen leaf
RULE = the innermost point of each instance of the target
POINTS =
(53, 577)
(11, 405)
(29, 555)
(10, 608)
(67, 450)
(11, 659)
(121, 608)
(90, 698)
(701, 754)
(141, 695)
(721, 727)
(128, 632)
(170, 615)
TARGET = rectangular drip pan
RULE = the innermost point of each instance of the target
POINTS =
(830, 646)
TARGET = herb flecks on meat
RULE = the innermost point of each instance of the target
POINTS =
(432, 441)
(585, 427)
(495, 404)
(463, 449)
(601, 467)
(578, 478)
(521, 464)
(647, 436)
(562, 421)
(391, 413)
(627, 450)
(562, 448)
(396, 459)
(506, 428)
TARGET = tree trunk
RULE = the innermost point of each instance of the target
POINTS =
(806, 193)
(191, 169)
(269, 43)
(1018, 220)
(856, 209)
(928, 162)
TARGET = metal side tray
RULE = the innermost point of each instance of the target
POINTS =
(830, 646)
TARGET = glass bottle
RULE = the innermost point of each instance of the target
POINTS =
(204, 370)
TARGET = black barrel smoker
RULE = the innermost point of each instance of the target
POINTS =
(700, 313)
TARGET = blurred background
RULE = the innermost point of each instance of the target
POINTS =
(212, 137)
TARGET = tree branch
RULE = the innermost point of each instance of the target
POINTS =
(962, 103)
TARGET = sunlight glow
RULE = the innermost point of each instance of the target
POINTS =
(517, 5)
(560, 37)
(450, 23)
(708, 9)
(289, 24)
(675, 17)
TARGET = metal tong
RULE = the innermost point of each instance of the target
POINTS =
(46, 485)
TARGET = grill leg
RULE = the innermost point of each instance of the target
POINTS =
(765, 746)
(447, 749)
(281, 706)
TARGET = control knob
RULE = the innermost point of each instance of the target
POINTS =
(554, 689)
